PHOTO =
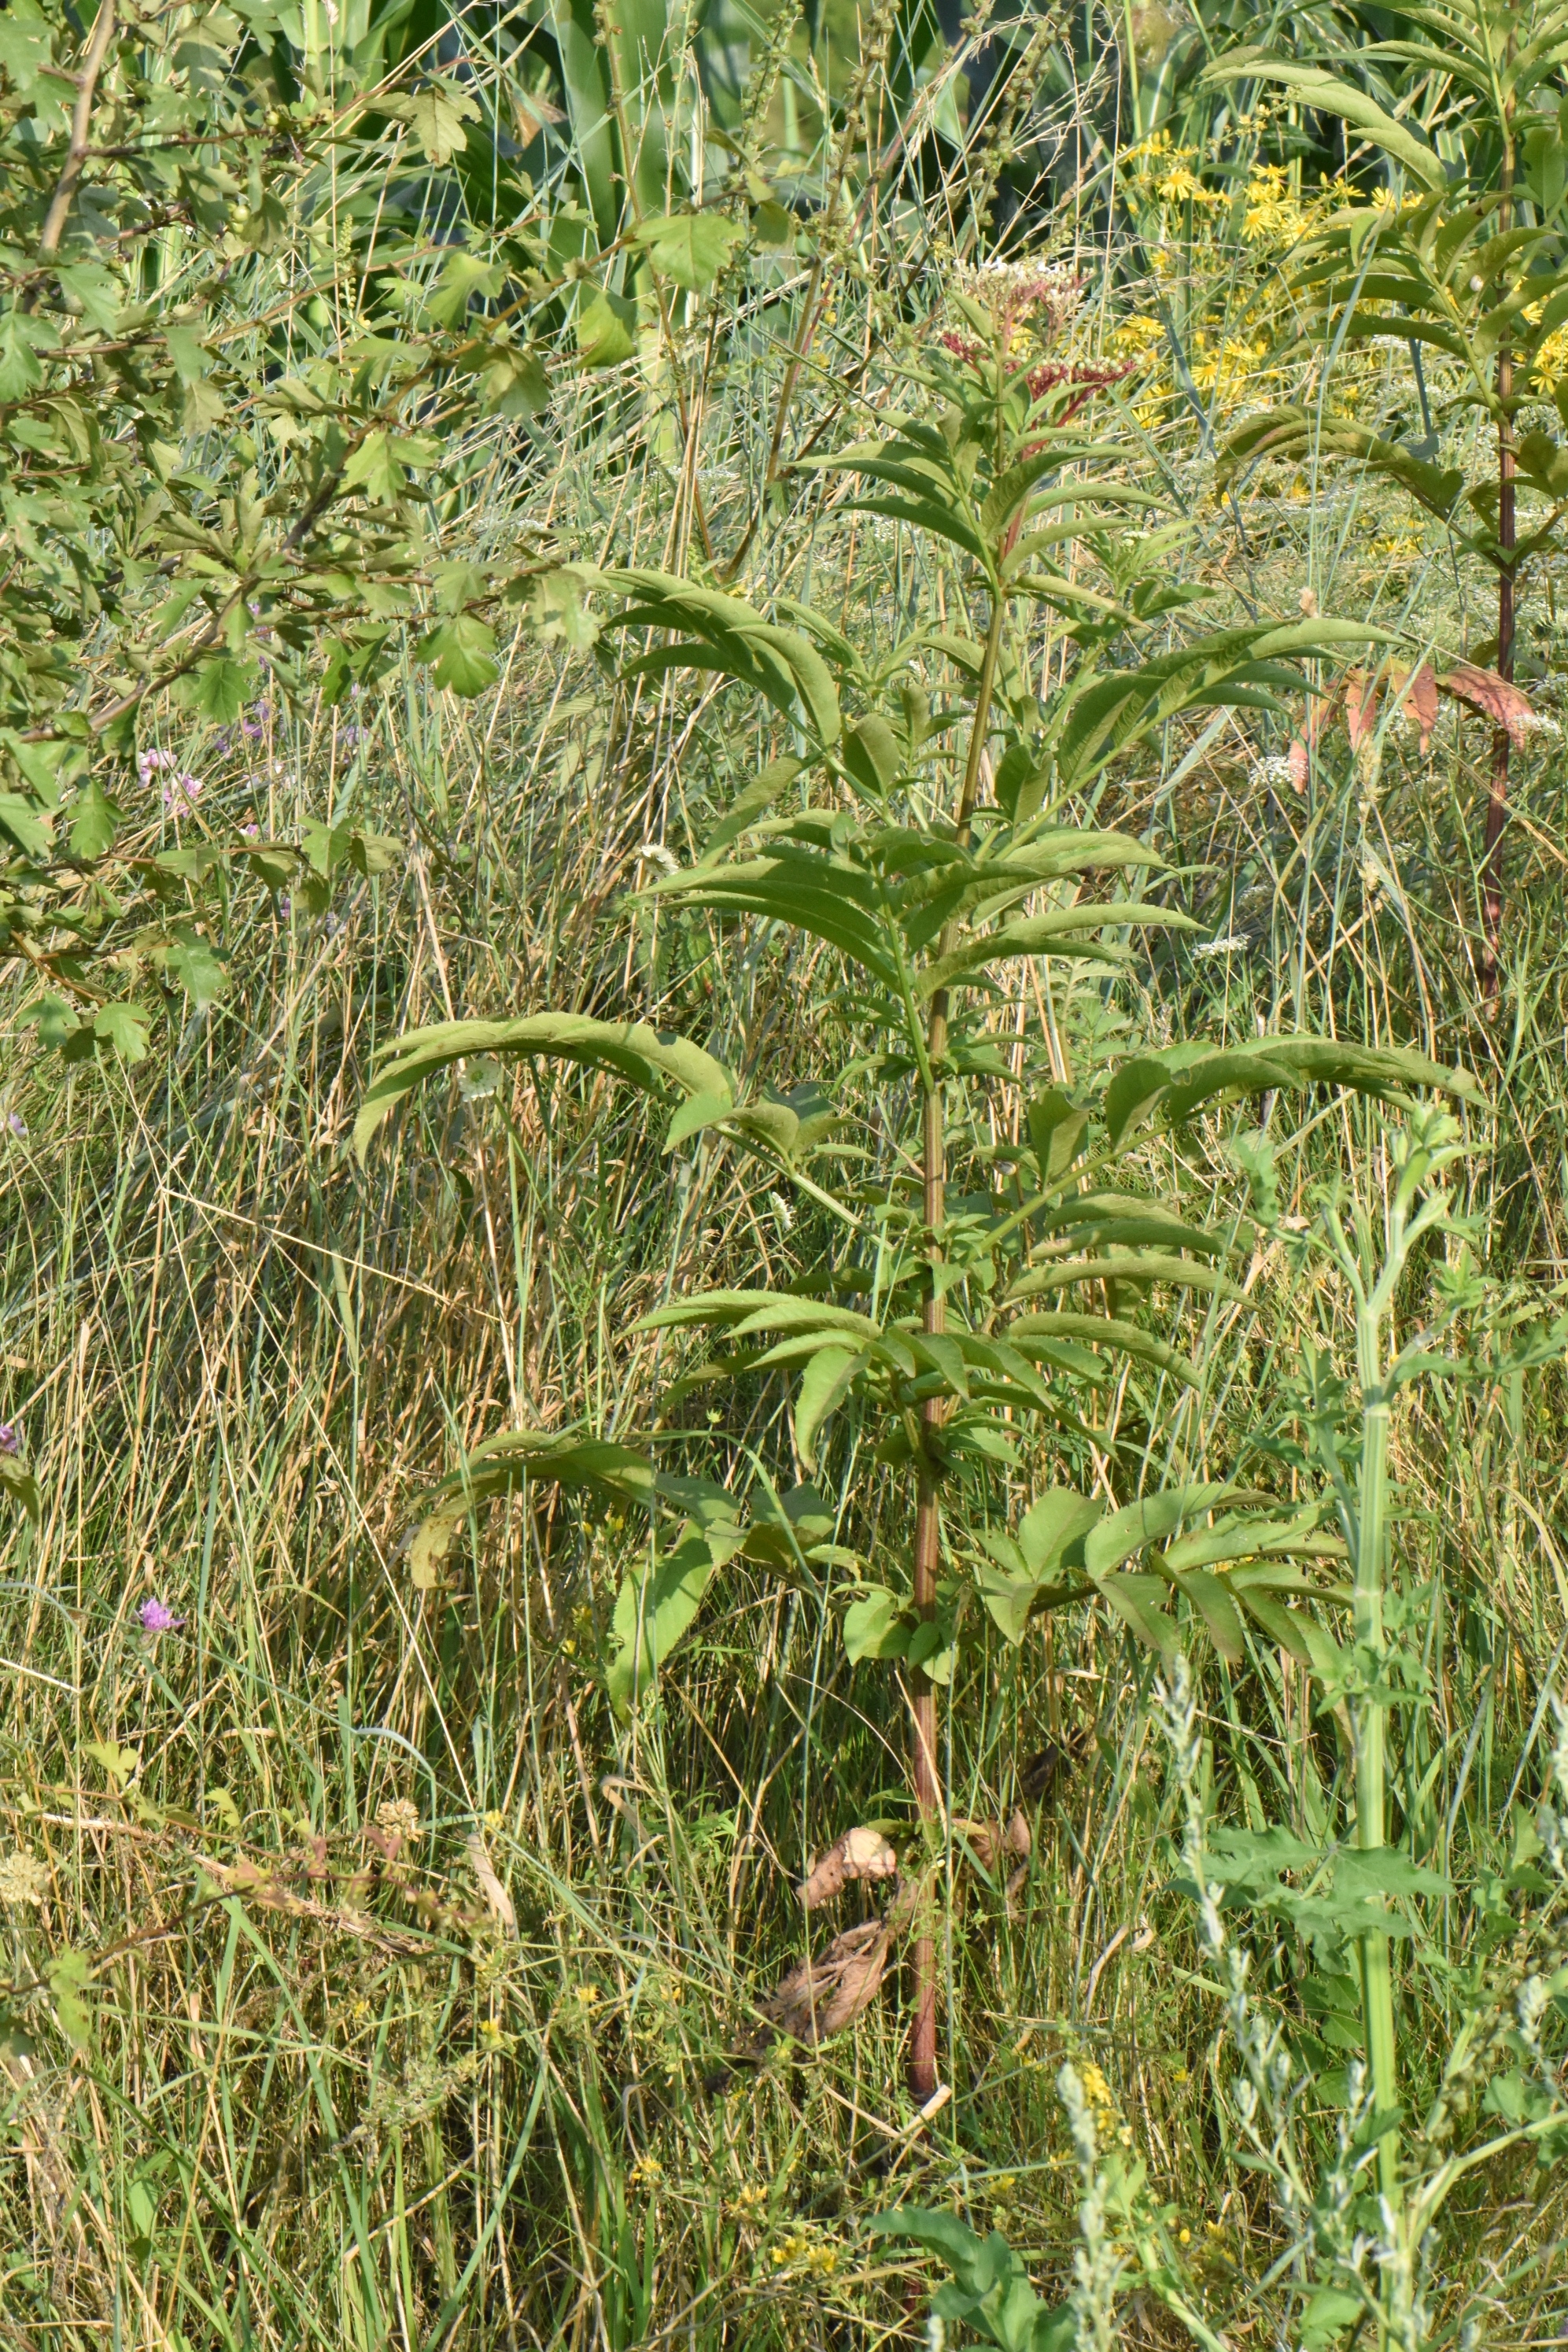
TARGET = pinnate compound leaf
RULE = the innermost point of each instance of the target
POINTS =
(1178, 1081)
(1145, 1523)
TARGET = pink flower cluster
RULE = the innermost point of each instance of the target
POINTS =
(182, 790)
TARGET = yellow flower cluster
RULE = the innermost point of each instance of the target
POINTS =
(1272, 214)
(1104, 2111)
(1550, 365)
(1169, 171)
(796, 2248)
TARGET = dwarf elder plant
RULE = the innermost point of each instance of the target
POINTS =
(1463, 257)
(931, 826)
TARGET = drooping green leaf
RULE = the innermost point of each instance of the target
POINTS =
(630, 1048)
(1312, 86)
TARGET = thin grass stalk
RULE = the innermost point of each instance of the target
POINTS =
(1497, 797)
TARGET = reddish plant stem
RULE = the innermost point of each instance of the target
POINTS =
(1496, 794)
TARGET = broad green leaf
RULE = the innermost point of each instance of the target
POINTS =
(70, 1977)
(462, 654)
(124, 1028)
(436, 117)
(94, 821)
(220, 688)
(824, 1384)
(876, 1625)
(630, 1048)
(1179, 1081)
(1213, 1604)
(509, 1460)
(200, 970)
(655, 1607)
(606, 330)
(1145, 1523)
(18, 1481)
(27, 828)
(689, 247)
(1136, 1601)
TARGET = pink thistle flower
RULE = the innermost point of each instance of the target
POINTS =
(157, 1617)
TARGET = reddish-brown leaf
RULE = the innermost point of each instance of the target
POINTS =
(1494, 697)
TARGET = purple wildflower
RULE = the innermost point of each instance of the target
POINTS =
(157, 1617)
(151, 763)
(17, 1125)
(10, 1437)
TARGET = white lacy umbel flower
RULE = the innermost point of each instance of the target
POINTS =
(397, 1817)
(1013, 292)
(1233, 943)
(23, 1878)
(1277, 770)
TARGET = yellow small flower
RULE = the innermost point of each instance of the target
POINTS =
(491, 2031)
(646, 2171)
(1183, 2237)
(750, 2199)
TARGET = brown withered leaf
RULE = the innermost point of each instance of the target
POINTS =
(1360, 699)
(991, 1842)
(1299, 760)
(1494, 697)
(858, 1853)
(1416, 694)
(823, 1995)
(497, 1900)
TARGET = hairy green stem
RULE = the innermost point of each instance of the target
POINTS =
(928, 1507)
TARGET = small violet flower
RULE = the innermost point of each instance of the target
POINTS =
(17, 1125)
(157, 1617)
(151, 763)
(10, 1437)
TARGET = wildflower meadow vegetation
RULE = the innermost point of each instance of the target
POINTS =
(782, 1128)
